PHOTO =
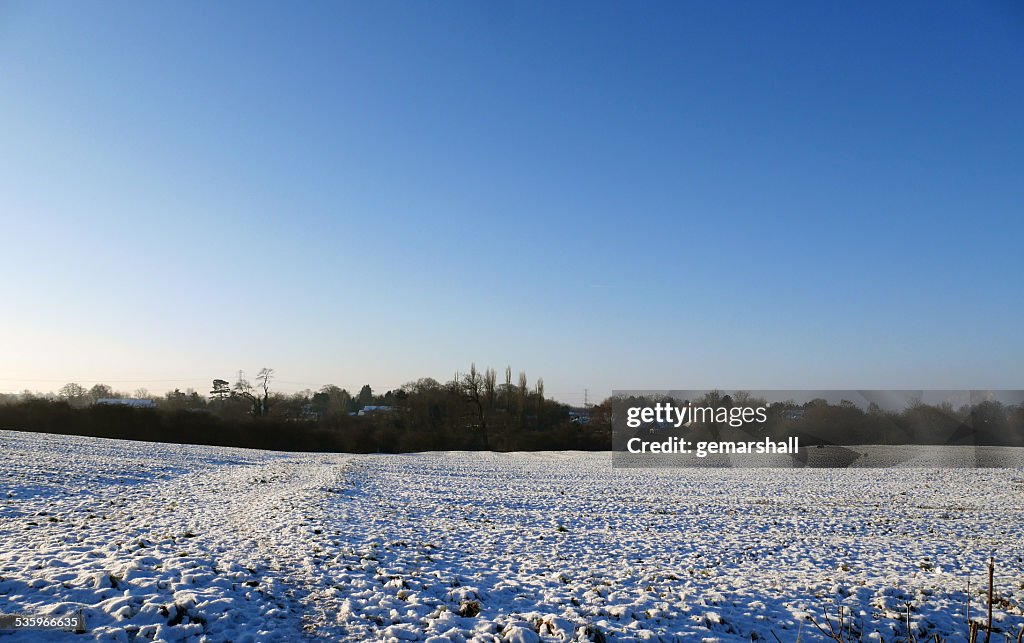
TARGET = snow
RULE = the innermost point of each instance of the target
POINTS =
(169, 542)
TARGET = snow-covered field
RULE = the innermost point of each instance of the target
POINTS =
(168, 542)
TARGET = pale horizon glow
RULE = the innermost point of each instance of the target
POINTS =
(605, 195)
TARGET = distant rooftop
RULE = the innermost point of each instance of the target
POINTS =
(119, 401)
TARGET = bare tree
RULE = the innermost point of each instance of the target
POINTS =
(332, 400)
(263, 381)
(508, 387)
(522, 395)
(99, 392)
(73, 393)
(490, 386)
(243, 388)
(473, 387)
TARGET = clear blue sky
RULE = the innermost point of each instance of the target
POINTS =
(607, 195)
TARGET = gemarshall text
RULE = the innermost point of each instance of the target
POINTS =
(790, 446)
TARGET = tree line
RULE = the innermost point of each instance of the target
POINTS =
(476, 410)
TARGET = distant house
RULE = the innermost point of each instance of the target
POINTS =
(579, 416)
(119, 401)
(370, 410)
(793, 414)
(657, 427)
(311, 412)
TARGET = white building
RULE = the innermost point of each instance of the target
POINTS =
(119, 401)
